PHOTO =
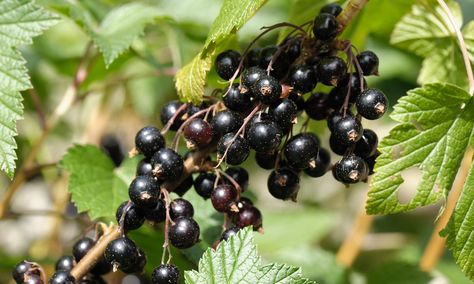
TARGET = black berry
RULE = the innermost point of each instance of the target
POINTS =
(266, 160)
(144, 191)
(165, 274)
(249, 77)
(149, 140)
(337, 147)
(167, 164)
(267, 90)
(372, 104)
(283, 184)
(249, 216)
(298, 100)
(156, 214)
(350, 169)
(317, 106)
(65, 262)
(325, 26)
(181, 208)
(302, 79)
(121, 252)
(144, 168)
(62, 277)
(236, 100)
(322, 164)
(264, 136)
(237, 149)
(331, 70)
(284, 113)
(223, 197)
(301, 150)
(232, 231)
(184, 233)
(82, 247)
(227, 64)
(240, 175)
(133, 218)
(198, 133)
(169, 111)
(367, 145)
(347, 130)
(369, 62)
(184, 186)
(25, 268)
(332, 8)
(226, 121)
(279, 59)
(204, 184)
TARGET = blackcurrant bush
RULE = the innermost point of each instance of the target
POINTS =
(167, 164)
(283, 184)
(264, 136)
(144, 168)
(267, 90)
(184, 186)
(317, 106)
(372, 104)
(24, 268)
(298, 100)
(156, 214)
(336, 147)
(181, 208)
(237, 149)
(284, 113)
(347, 130)
(302, 78)
(325, 26)
(249, 77)
(331, 70)
(204, 184)
(149, 140)
(184, 233)
(227, 63)
(165, 274)
(82, 247)
(279, 59)
(226, 121)
(133, 218)
(351, 169)
(65, 262)
(223, 197)
(266, 160)
(301, 150)
(232, 231)
(236, 100)
(249, 216)
(169, 111)
(62, 277)
(367, 145)
(331, 8)
(144, 191)
(198, 133)
(369, 62)
(240, 175)
(323, 162)
(121, 252)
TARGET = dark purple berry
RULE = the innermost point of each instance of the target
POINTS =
(264, 136)
(232, 231)
(283, 184)
(227, 63)
(169, 110)
(225, 122)
(62, 277)
(184, 233)
(351, 169)
(302, 79)
(165, 274)
(167, 164)
(236, 147)
(184, 186)
(65, 262)
(181, 208)
(198, 133)
(239, 175)
(331, 70)
(301, 150)
(317, 106)
(367, 145)
(372, 104)
(32, 279)
(204, 184)
(25, 268)
(223, 197)
(235, 100)
(149, 140)
(249, 216)
(133, 218)
(322, 164)
(144, 191)
(325, 26)
(267, 90)
(369, 62)
(347, 130)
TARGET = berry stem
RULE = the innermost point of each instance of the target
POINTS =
(168, 221)
(350, 11)
(173, 118)
(232, 180)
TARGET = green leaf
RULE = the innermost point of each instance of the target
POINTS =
(190, 80)
(468, 32)
(96, 187)
(395, 272)
(237, 261)
(436, 123)
(20, 21)
(459, 231)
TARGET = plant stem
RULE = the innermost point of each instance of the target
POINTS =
(349, 13)
(435, 247)
(462, 45)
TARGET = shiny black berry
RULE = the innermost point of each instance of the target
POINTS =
(184, 233)
(350, 169)
(334, 117)
(293, 50)
(252, 58)
(198, 133)
(237, 149)
(280, 61)
(65, 262)
(32, 279)
(184, 186)
(226, 121)
(133, 218)
(121, 252)
(249, 77)
(337, 147)
(352, 83)
(144, 191)
(236, 100)
(325, 26)
(372, 104)
(156, 214)
(332, 8)
(82, 247)
(144, 168)
(367, 145)
(266, 160)
(331, 70)
(369, 62)
(298, 100)
(302, 78)
(283, 184)
(301, 150)
(267, 90)
(321, 165)
(264, 136)
(347, 130)
(169, 110)
(239, 175)
(25, 268)
(180, 207)
(165, 274)
(62, 277)
(167, 164)
(232, 231)
(227, 64)
(223, 197)
(284, 113)
(138, 265)
(317, 106)
(249, 216)
(337, 97)
(204, 184)
(149, 140)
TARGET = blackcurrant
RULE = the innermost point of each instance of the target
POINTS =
(144, 191)
(293, 50)
(301, 150)
(240, 175)
(283, 184)
(337, 147)
(372, 104)
(227, 63)
(337, 97)
(284, 113)
(237, 149)
(352, 82)
(92, 279)
(82, 247)
(347, 130)
(198, 133)
(144, 168)
(121, 252)
(236, 100)
(156, 214)
(249, 77)
(323, 162)
(252, 58)
(350, 169)
(334, 117)
(223, 197)
(184, 186)
(264, 136)
(23, 268)
(325, 26)
(167, 164)
(267, 90)
(249, 216)
(110, 144)
(65, 262)
(184, 233)
(165, 274)
(149, 140)
(169, 111)
(369, 62)
(331, 8)
(204, 184)
(62, 277)
(139, 264)
(133, 218)
(298, 99)
(226, 121)
(266, 160)
(367, 145)
(181, 208)
(331, 70)
(232, 231)
(279, 59)
(302, 78)
(32, 279)
(317, 106)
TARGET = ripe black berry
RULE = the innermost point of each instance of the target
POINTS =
(169, 110)
(353, 82)
(226, 121)
(367, 145)
(144, 191)
(121, 252)
(266, 160)
(92, 279)
(317, 106)
(325, 26)
(249, 216)
(181, 208)
(372, 104)
(301, 150)
(62, 277)
(165, 274)
(280, 61)
(298, 100)
(204, 184)
(82, 247)
(283, 184)
(223, 197)
(144, 168)
(334, 117)
(139, 264)
(184, 233)
(284, 113)
(347, 130)
(350, 169)
(149, 140)
(184, 186)
(227, 63)
(264, 136)
(323, 162)
(336, 147)
(369, 62)
(331, 8)
(302, 78)
(337, 97)
(249, 77)
(267, 90)
(133, 218)
(232, 231)
(25, 268)
(32, 279)
(252, 58)
(198, 133)
(293, 50)
(238, 149)
(236, 100)
(167, 164)
(156, 214)
(331, 70)
(240, 175)
(65, 262)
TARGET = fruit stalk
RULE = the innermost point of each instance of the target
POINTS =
(349, 12)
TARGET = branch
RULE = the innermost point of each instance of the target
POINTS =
(350, 11)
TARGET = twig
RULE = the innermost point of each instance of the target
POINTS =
(39, 107)
(350, 11)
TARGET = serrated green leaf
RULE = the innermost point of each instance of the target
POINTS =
(436, 123)
(237, 261)
(96, 187)
(20, 21)
(459, 231)
(190, 80)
